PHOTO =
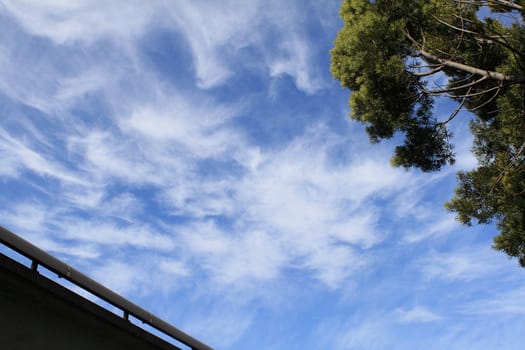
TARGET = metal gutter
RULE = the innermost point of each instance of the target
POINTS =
(63, 270)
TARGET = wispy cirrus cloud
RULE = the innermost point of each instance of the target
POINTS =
(222, 325)
(82, 20)
(291, 207)
(17, 154)
(461, 265)
(217, 35)
(416, 314)
(213, 31)
(508, 302)
(295, 61)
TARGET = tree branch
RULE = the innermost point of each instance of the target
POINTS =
(508, 166)
(482, 37)
(455, 88)
(487, 101)
(427, 73)
(456, 111)
(462, 30)
(465, 68)
(474, 70)
(509, 4)
(480, 92)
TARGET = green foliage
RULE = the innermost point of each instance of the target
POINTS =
(388, 54)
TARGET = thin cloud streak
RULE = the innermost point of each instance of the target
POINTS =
(416, 314)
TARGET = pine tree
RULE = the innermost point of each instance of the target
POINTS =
(390, 54)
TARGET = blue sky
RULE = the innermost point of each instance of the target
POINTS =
(197, 158)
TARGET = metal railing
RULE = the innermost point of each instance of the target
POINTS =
(63, 270)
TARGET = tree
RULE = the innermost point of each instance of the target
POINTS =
(393, 55)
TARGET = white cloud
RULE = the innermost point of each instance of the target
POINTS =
(333, 264)
(71, 88)
(195, 124)
(212, 30)
(510, 302)
(290, 207)
(217, 31)
(112, 235)
(19, 155)
(146, 274)
(105, 156)
(9, 164)
(461, 265)
(255, 255)
(58, 76)
(295, 60)
(118, 276)
(370, 332)
(60, 84)
(174, 267)
(221, 325)
(123, 206)
(82, 20)
(440, 223)
(359, 229)
(417, 314)
(289, 210)
(465, 159)
(199, 197)
(234, 258)
(15, 216)
(76, 251)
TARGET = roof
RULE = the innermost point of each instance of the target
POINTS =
(42, 311)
